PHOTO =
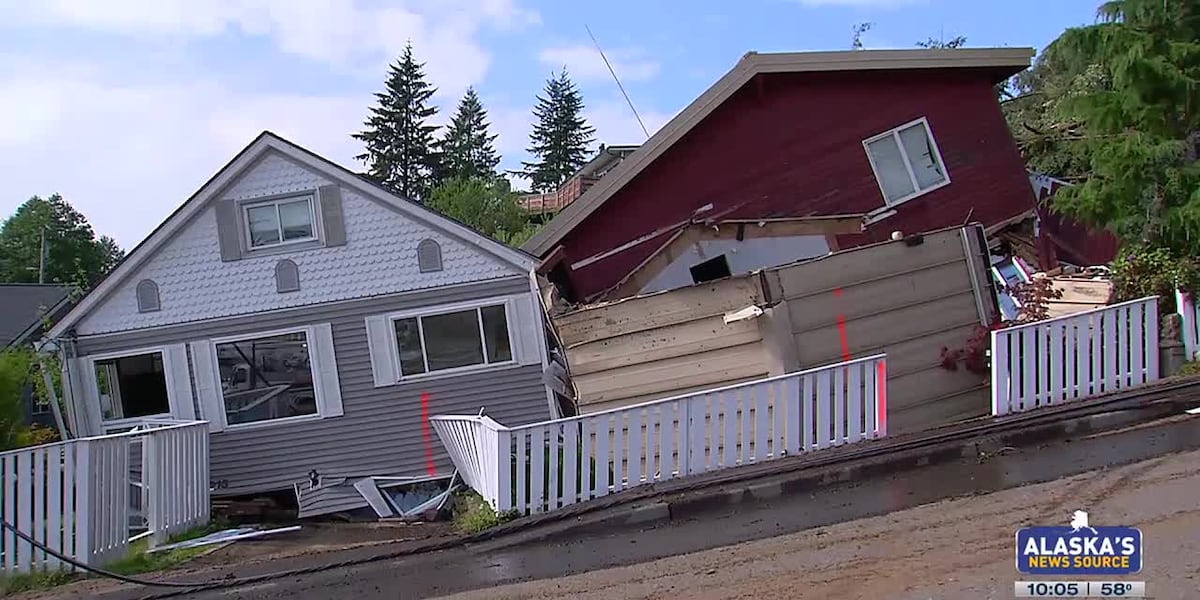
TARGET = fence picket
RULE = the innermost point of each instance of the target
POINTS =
(593, 455)
(1078, 356)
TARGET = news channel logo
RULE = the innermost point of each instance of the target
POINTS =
(1079, 549)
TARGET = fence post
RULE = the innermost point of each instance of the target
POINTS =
(83, 502)
(151, 467)
(881, 398)
(1187, 311)
(1000, 374)
(1152, 343)
(503, 466)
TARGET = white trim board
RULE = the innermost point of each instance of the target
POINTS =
(265, 143)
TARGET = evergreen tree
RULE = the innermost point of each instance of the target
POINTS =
(561, 136)
(467, 149)
(1140, 100)
(400, 152)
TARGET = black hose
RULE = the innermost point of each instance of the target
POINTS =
(88, 568)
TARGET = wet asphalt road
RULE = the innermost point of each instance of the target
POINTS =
(491, 564)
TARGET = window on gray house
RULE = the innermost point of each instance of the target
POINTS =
(132, 386)
(147, 296)
(430, 343)
(280, 221)
(266, 378)
(429, 256)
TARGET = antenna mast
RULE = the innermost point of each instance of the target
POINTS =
(615, 78)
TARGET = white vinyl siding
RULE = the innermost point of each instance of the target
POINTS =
(297, 370)
(906, 162)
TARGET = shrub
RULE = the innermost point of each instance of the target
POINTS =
(1140, 271)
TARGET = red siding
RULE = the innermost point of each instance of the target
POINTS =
(793, 147)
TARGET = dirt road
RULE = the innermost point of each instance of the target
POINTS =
(955, 549)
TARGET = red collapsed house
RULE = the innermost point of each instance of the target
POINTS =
(781, 154)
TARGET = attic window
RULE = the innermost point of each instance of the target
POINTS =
(429, 256)
(147, 296)
(283, 221)
(713, 268)
(906, 162)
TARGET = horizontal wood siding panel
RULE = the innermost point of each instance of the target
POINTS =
(907, 301)
(790, 145)
(664, 344)
(382, 431)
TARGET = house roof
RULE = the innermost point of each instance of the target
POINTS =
(24, 306)
(1002, 61)
(269, 142)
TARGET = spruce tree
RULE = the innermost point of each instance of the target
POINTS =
(400, 153)
(561, 137)
(467, 149)
(1140, 106)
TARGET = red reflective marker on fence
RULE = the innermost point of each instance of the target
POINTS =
(881, 398)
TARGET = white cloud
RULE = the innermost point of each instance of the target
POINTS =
(127, 156)
(585, 64)
(352, 35)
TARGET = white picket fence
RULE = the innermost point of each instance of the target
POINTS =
(1076, 356)
(75, 496)
(1189, 310)
(545, 466)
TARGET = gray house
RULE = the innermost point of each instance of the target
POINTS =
(316, 321)
(27, 306)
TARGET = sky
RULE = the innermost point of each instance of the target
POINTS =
(126, 107)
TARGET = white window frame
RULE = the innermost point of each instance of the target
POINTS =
(312, 212)
(168, 378)
(513, 344)
(318, 383)
(918, 191)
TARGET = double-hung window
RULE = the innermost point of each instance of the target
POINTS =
(447, 341)
(906, 162)
(280, 221)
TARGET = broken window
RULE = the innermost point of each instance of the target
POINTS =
(906, 161)
(713, 268)
(453, 340)
(132, 387)
(264, 378)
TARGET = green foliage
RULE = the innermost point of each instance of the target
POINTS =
(37, 580)
(561, 138)
(399, 141)
(859, 29)
(957, 41)
(1125, 111)
(487, 205)
(1141, 270)
(467, 148)
(473, 514)
(1189, 369)
(16, 367)
(74, 255)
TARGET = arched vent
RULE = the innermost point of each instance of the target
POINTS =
(147, 296)
(429, 256)
(287, 276)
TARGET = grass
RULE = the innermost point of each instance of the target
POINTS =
(473, 514)
(1189, 368)
(137, 561)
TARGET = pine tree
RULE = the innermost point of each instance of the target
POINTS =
(400, 152)
(467, 149)
(561, 136)
(1140, 107)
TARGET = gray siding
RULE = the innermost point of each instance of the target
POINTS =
(381, 430)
